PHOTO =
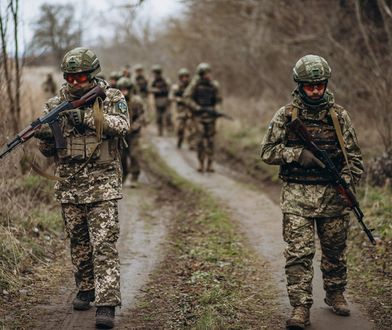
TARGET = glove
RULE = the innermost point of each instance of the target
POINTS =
(307, 160)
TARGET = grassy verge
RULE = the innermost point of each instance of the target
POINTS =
(209, 279)
(30, 230)
(371, 267)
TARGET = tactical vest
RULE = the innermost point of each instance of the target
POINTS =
(205, 94)
(142, 84)
(324, 135)
(162, 86)
(180, 91)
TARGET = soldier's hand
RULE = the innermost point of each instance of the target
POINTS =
(308, 160)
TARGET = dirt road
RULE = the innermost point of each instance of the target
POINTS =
(260, 220)
(143, 230)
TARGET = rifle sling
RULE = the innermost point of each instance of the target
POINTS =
(339, 134)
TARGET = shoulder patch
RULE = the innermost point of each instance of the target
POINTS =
(113, 95)
(122, 107)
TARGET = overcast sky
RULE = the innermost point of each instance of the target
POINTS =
(153, 10)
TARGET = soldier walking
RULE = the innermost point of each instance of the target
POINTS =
(140, 81)
(131, 152)
(176, 97)
(89, 184)
(159, 88)
(204, 93)
(309, 199)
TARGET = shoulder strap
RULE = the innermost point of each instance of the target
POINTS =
(339, 134)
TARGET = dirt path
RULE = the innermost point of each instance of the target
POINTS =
(260, 220)
(143, 230)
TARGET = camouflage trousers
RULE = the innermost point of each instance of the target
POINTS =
(163, 119)
(181, 128)
(130, 157)
(298, 233)
(93, 230)
(205, 140)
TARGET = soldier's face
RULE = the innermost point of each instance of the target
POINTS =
(124, 91)
(184, 78)
(207, 75)
(140, 72)
(78, 80)
(314, 91)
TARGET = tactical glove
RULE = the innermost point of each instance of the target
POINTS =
(308, 160)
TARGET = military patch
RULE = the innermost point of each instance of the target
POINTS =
(122, 106)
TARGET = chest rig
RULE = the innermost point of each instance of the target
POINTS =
(205, 94)
(142, 84)
(324, 135)
(161, 85)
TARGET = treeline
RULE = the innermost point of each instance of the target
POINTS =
(253, 45)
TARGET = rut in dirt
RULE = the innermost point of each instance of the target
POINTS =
(260, 220)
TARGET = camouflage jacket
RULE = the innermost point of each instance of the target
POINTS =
(176, 96)
(307, 199)
(97, 181)
(136, 108)
(194, 104)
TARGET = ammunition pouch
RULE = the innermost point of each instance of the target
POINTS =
(88, 148)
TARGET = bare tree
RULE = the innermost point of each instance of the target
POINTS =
(56, 30)
(11, 68)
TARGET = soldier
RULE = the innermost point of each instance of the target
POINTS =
(309, 198)
(49, 86)
(89, 184)
(140, 81)
(159, 88)
(113, 78)
(204, 92)
(132, 151)
(176, 97)
(126, 71)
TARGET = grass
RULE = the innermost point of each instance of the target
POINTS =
(29, 230)
(371, 267)
(209, 279)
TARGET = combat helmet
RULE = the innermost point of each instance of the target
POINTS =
(138, 67)
(311, 69)
(183, 72)
(124, 83)
(156, 68)
(79, 60)
(203, 68)
(115, 75)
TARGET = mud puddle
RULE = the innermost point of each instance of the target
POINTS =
(260, 220)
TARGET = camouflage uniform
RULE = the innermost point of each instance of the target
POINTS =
(132, 151)
(141, 83)
(183, 114)
(306, 205)
(203, 93)
(159, 87)
(88, 193)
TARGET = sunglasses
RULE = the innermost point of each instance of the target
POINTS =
(312, 87)
(78, 77)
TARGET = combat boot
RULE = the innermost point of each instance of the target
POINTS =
(104, 317)
(210, 168)
(82, 300)
(299, 318)
(338, 303)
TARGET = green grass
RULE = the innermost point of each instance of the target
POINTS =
(211, 279)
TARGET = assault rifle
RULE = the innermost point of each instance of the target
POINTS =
(212, 112)
(341, 185)
(52, 118)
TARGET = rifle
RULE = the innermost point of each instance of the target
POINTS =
(341, 185)
(213, 113)
(52, 118)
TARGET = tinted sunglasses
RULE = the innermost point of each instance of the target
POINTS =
(78, 77)
(312, 87)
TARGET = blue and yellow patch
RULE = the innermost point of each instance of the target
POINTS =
(122, 107)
